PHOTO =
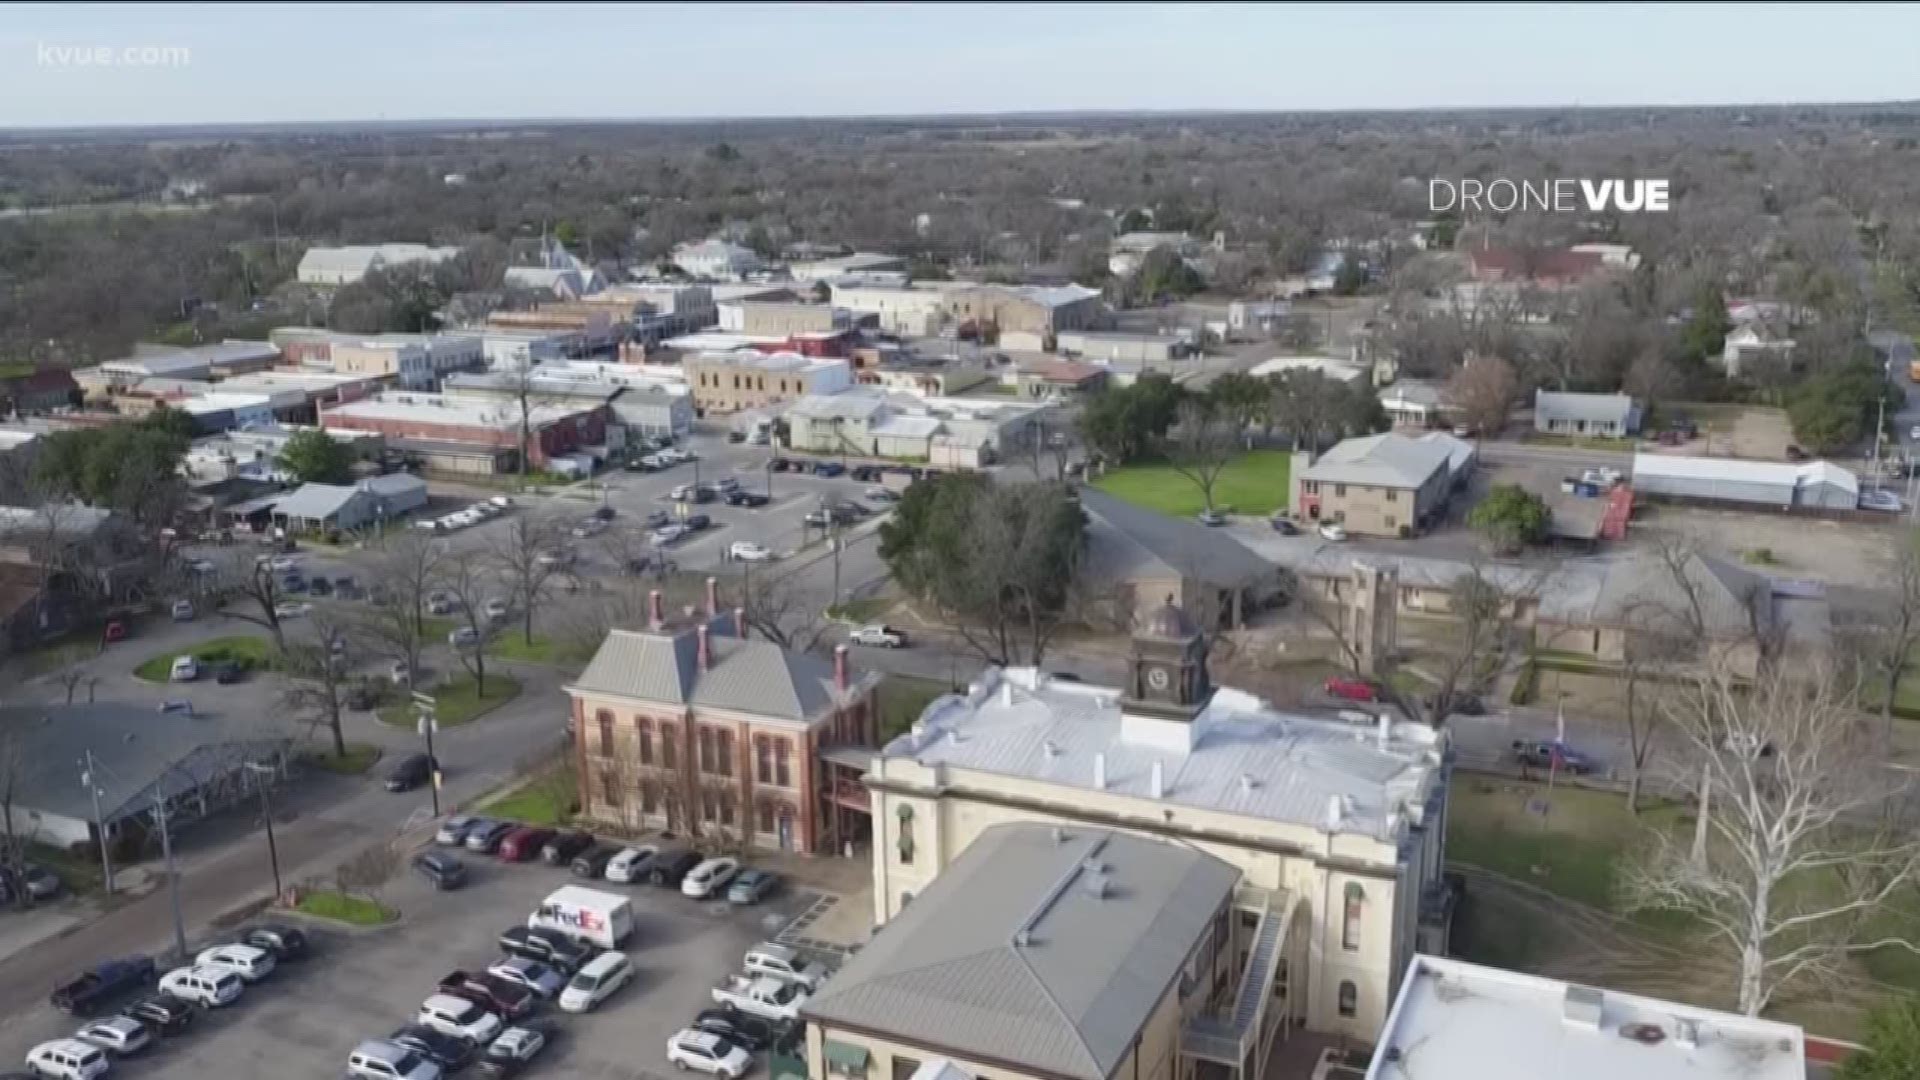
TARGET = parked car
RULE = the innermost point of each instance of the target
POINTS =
(40, 882)
(592, 863)
(1211, 518)
(828, 468)
(410, 772)
(697, 522)
(511, 1000)
(291, 609)
(184, 669)
(497, 609)
(736, 436)
(708, 877)
(484, 838)
(742, 497)
(67, 1059)
(864, 473)
(227, 672)
(751, 887)
(560, 850)
(1332, 530)
(631, 864)
(1350, 689)
(182, 611)
(449, 1052)
(441, 603)
(879, 636)
(706, 1052)
(1551, 754)
(741, 1029)
(779, 464)
(320, 586)
(536, 976)
(668, 867)
(592, 526)
(1284, 526)
(458, 1017)
(454, 830)
(748, 551)
(596, 982)
(559, 558)
(463, 637)
(445, 871)
(378, 1059)
(92, 989)
(556, 950)
(1458, 703)
(1880, 499)
(523, 844)
(163, 1014)
(249, 962)
(1336, 1063)
(283, 941)
(207, 989)
(516, 1048)
(881, 495)
(784, 963)
(671, 533)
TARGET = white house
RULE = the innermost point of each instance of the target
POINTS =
(1751, 345)
(346, 265)
(717, 260)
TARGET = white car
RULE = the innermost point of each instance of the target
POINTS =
(667, 534)
(878, 636)
(291, 609)
(120, 1035)
(378, 1059)
(691, 1049)
(501, 502)
(201, 566)
(748, 551)
(204, 987)
(247, 961)
(555, 558)
(69, 1059)
(596, 982)
(682, 493)
(706, 879)
(496, 609)
(284, 563)
(182, 611)
(453, 831)
(459, 1018)
(1877, 499)
(532, 974)
(1332, 530)
(184, 669)
(631, 863)
(589, 527)
(465, 637)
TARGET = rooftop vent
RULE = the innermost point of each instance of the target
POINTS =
(1581, 1007)
(1092, 865)
(1096, 885)
(1247, 783)
(1686, 1033)
(1059, 835)
(1022, 938)
(1050, 748)
(1100, 772)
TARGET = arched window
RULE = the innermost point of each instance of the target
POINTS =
(706, 750)
(723, 753)
(669, 745)
(1356, 907)
(763, 759)
(905, 831)
(782, 769)
(1349, 999)
(604, 721)
(646, 742)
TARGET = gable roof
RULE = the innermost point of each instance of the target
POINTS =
(1603, 408)
(1127, 542)
(1010, 955)
(1389, 460)
(317, 502)
(743, 675)
(1731, 600)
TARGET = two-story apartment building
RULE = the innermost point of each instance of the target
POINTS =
(1338, 832)
(1382, 485)
(732, 381)
(691, 726)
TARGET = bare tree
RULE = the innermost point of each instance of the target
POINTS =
(1203, 442)
(780, 608)
(526, 554)
(1794, 849)
(13, 764)
(74, 668)
(1483, 392)
(316, 689)
(249, 590)
(523, 401)
(368, 871)
(1898, 624)
(463, 578)
(401, 578)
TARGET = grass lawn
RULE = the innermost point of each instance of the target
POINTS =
(15, 369)
(1254, 483)
(511, 644)
(902, 698)
(1570, 850)
(81, 873)
(252, 652)
(457, 701)
(547, 799)
(352, 910)
(358, 759)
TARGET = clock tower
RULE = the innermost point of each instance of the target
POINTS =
(1167, 672)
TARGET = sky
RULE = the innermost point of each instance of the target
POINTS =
(89, 65)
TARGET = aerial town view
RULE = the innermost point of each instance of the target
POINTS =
(960, 541)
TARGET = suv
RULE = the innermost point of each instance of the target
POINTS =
(632, 863)
(378, 1059)
(284, 942)
(668, 867)
(411, 771)
(691, 1048)
(785, 964)
(560, 850)
(490, 991)
(204, 987)
(442, 869)
(164, 1013)
(458, 1017)
(247, 961)
(67, 1059)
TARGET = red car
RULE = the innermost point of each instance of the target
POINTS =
(523, 843)
(1351, 689)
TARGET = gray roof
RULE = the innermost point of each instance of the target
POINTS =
(316, 502)
(137, 752)
(1603, 408)
(66, 521)
(1732, 599)
(749, 676)
(1011, 956)
(1128, 543)
(1390, 460)
(390, 484)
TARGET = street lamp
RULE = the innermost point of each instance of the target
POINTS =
(266, 810)
(428, 724)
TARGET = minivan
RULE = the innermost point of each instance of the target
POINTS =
(596, 982)
(67, 1059)
(378, 1059)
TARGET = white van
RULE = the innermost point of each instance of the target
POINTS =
(185, 669)
(203, 986)
(596, 982)
(604, 918)
(67, 1059)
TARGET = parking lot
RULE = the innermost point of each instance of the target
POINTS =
(305, 1018)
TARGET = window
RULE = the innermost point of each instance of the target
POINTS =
(904, 1067)
(609, 789)
(646, 743)
(1350, 925)
(1349, 999)
(766, 817)
(726, 809)
(604, 720)
(709, 810)
(1392, 495)
(1340, 490)
(669, 735)
(1388, 521)
(646, 799)
(905, 837)
(723, 753)
(782, 771)
(705, 741)
(763, 759)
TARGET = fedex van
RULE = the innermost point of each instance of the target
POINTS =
(603, 918)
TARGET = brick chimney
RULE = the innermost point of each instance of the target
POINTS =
(713, 597)
(740, 623)
(656, 610)
(706, 650)
(840, 666)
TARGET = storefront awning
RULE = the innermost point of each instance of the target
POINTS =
(846, 1058)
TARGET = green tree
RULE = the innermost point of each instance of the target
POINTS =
(1705, 332)
(1164, 275)
(1134, 220)
(1351, 277)
(133, 468)
(1511, 517)
(1892, 1044)
(1835, 409)
(1446, 226)
(567, 233)
(1242, 397)
(315, 457)
(1124, 423)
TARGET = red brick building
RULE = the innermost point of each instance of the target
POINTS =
(694, 728)
(558, 428)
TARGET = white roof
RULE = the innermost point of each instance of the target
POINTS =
(1245, 757)
(1678, 467)
(439, 409)
(1392, 459)
(359, 259)
(1344, 370)
(908, 427)
(216, 402)
(780, 361)
(1056, 295)
(273, 382)
(713, 341)
(1458, 1021)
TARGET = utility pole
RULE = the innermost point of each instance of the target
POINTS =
(93, 791)
(266, 811)
(160, 816)
(429, 723)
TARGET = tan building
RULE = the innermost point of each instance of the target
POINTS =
(734, 381)
(596, 324)
(1338, 832)
(914, 310)
(1030, 309)
(1383, 485)
(694, 728)
(765, 318)
(1060, 380)
(1050, 953)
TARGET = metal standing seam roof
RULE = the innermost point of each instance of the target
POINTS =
(1737, 470)
(1011, 954)
(747, 676)
(1127, 542)
(317, 502)
(1389, 460)
(1609, 408)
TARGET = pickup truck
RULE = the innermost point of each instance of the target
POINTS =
(94, 988)
(761, 995)
(489, 991)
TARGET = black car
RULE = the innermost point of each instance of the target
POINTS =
(283, 941)
(554, 950)
(444, 870)
(779, 464)
(320, 586)
(641, 465)
(560, 850)
(450, 1053)
(638, 565)
(227, 672)
(696, 522)
(747, 1032)
(604, 513)
(738, 497)
(852, 510)
(865, 473)
(1459, 703)
(592, 863)
(1542, 754)
(736, 436)
(669, 867)
(412, 771)
(346, 588)
(163, 1013)
(1285, 527)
